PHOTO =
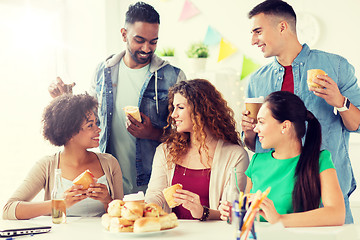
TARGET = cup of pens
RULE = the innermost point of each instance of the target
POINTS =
(244, 212)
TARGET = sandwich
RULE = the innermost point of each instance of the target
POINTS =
(133, 111)
(311, 75)
(85, 179)
(168, 194)
(115, 207)
(132, 210)
(168, 221)
(121, 225)
(147, 224)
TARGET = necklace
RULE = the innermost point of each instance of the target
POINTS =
(192, 154)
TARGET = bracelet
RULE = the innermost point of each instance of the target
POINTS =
(205, 215)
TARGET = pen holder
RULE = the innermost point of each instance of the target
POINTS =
(252, 233)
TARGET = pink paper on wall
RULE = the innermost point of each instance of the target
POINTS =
(189, 11)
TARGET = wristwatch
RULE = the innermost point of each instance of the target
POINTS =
(344, 108)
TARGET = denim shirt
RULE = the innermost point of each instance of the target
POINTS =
(269, 79)
(153, 102)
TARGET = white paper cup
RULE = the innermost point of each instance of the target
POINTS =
(135, 197)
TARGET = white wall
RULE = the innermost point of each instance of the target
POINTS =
(229, 17)
(83, 32)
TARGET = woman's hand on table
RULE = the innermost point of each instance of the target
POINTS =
(74, 195)
(225, 208)
(189, 201)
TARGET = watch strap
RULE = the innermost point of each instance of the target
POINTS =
(345, 107)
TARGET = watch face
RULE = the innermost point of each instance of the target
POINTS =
(347, 103)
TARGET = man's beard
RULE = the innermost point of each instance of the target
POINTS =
(137, 59)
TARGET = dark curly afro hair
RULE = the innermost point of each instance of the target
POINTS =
(64, 116)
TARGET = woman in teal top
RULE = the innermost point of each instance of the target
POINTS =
(300, 175)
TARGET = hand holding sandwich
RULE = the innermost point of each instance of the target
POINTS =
(328, 90)
(74, 195)
(144, 129)
(85, 186)
(190, 201)
(96, 191)
(99, 191)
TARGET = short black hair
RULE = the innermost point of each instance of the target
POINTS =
(141, 12)
(64, 116)
(274, 7)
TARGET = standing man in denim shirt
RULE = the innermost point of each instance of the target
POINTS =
(336, 106)
(134, 77)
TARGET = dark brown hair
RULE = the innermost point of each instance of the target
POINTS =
(64, 116)
(276, 8)
(307, 190)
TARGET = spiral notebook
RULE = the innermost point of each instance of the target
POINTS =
(10, 228)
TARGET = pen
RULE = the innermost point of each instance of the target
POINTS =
(242, 213)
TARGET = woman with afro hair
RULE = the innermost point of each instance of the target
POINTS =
(69, 121)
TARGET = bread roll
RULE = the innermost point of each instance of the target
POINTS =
(152, 210)
(115, 207)
(105, 221)
(132, 210)
(147, 224)
(311, 74)
(121, 225)
(85, 179)
(168, 194)
(168, 221)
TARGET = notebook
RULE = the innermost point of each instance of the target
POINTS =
(10, 228)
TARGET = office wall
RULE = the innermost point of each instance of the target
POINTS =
(337, 24)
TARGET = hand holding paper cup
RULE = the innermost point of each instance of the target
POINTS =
(311, 75)
(133, 111)
(253, 105)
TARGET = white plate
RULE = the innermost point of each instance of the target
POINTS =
(142, 234)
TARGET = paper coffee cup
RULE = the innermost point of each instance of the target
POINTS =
(253, 105)
(135, 197)
(133, 111)
(311, 75)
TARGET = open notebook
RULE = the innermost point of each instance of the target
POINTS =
(10, 228)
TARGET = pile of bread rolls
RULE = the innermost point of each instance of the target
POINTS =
(137, 217)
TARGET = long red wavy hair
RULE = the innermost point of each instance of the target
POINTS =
(209, 110)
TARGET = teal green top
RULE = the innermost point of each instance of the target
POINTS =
(266, 171)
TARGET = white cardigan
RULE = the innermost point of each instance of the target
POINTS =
(226, 157)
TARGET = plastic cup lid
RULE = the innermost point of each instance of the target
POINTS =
(255, 100)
